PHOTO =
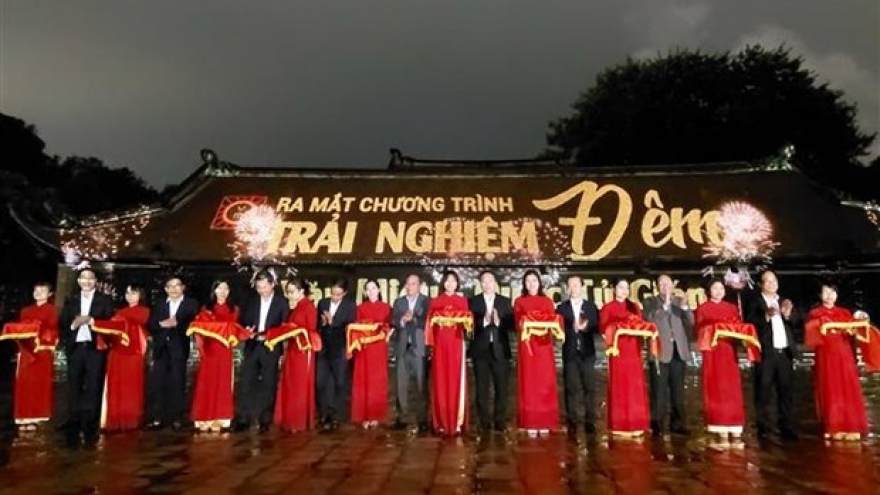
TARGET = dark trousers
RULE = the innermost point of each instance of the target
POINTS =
(773, 379)
(331, 376)
(409, 366)
(85, 382)
(258, 383)
(667, 392)
(579, 376)
(167, 383)
(495, 371)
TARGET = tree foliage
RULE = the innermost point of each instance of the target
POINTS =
(46, 189)
(695, 107)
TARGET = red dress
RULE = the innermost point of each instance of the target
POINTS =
(839, 401)
(627, 394)
(722, 385)
(124, 390)
(538, 405)
(449, 411)
(212, 393)
(295, 408)
(369, 391)
(34, 369)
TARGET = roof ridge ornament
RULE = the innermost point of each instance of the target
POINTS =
(871, 209)
(781, 161)
(215, 167)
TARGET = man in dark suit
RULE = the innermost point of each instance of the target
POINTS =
(775, 321)
(490, 350)
(408, 317)
(169, 321)
(259, 366)
(581, 320)
(335, 313)
(674, 321)
(86, 358)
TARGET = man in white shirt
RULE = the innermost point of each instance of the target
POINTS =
(774, 319)
(490, 351)
(259, 367)
(86, 357)
(581, 320)
(168, 323)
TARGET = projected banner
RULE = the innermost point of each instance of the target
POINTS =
(493, 220)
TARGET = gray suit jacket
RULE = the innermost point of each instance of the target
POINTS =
(674, 326)
(417, 325)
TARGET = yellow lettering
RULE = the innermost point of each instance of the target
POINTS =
(523, 240)
(393, 238)
(590, 193)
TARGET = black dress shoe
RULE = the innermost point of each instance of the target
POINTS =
(240, 427)
(177, 425)
(72, 440)
(264, 428)
(788, 435)
(657, 433)
(398, 425)
(155, 426)
(334, 425)
(66, 426)
(90, 443)
(423, 427)
(500, 428)
(590, 428)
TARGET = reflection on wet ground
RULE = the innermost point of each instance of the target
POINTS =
(353, 461)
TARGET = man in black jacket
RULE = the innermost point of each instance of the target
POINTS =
(774, 320)
(86, 359)
(169, 321)
(490, 350)
(335, 313)
(581, 320)
(259, 366)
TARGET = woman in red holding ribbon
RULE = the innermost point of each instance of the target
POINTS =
(839, 401)
(368, 337)
(619, 320)
(722, 385)
(449, 321)
(295, 408)
(536, 324)
(212, 407)
(36, 333)
(124, 392)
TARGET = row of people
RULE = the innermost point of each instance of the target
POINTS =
(430, 340)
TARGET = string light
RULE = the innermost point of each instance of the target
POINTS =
(103, 239)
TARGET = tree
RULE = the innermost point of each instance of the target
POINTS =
(41, 190)
(694, 107)
(92, 187)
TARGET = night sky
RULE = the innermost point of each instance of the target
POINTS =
(146, 84)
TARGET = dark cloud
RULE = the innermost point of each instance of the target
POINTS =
(306, 83)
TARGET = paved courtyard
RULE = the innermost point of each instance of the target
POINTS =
(354, 461)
